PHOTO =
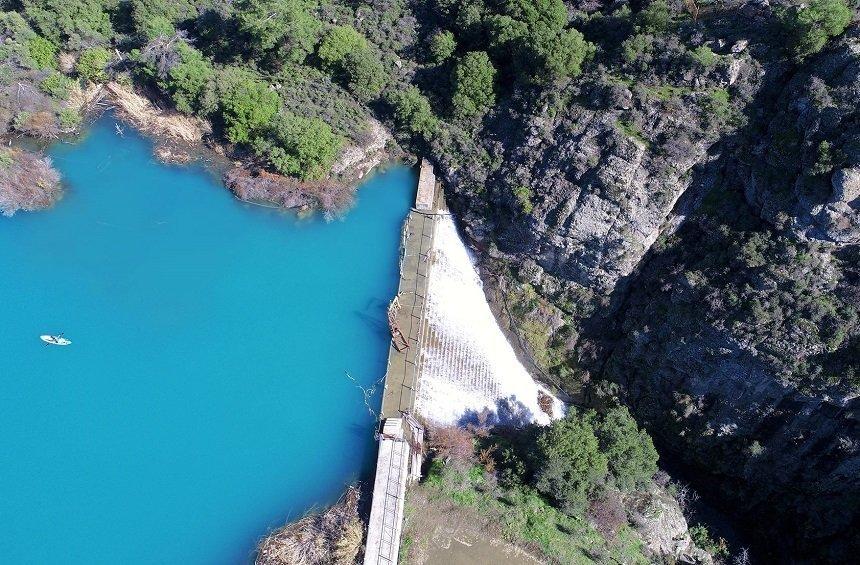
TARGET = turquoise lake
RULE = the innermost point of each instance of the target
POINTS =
(204, 399)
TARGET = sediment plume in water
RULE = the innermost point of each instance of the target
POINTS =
(467, 365)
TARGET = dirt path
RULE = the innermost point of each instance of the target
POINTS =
(440, 533)
(471, 549)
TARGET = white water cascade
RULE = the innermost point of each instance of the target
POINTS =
(467, 364)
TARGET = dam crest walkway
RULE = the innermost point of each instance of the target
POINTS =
(401, 436)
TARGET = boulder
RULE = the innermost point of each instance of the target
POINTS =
(846, 187)
(658, 518)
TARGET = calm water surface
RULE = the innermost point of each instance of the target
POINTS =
(204, 398)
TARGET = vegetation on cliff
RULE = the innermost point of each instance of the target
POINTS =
(578, 490)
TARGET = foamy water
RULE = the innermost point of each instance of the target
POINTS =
(468, 366)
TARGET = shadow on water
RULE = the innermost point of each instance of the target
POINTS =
(374, 316)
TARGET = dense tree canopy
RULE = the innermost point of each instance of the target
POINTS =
(344, 53)
(92, 62)
(364, 74)
(442, 46)
(337, 43)
(474, 76)
(585, 453)
(189, 79)
(412, 110)
(247, 103)
(56, 84)
(76, 24)
(43, 52)
(629, 451)
(287, 27)
(569, 462)
(156, 26)
(299, 146)
(655, 18)
(156, 13)
(529, 41)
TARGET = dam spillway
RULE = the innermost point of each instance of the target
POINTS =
(448, 363)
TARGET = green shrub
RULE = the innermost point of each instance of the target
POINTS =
(474, 76)
(92, 62)
(19, 121)
(412, 111)
(702, 538)
(70, 119)
(247, 103)
(718, 107)
(523, 195)
(337, 43)
(301, 147)
(635, 46)
(629, 451)
(6, 159)
(73, 23)
(57, 85)
(188, 80)
(655, 18)
(511, 468)
(442, 46)
(364, 74)
(469, 18)
(825, 160)
(43, 53)
(704, 56)
(152, 18)
(533, 36)
(632, 131)
(565, 55)
(345, 54)
(755, 448)
(666, 92)
(286, 26)
(569, 462)
(15, 28)
(809, 26)
(157, 26)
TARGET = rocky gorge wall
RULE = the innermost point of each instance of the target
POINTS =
(699, 260)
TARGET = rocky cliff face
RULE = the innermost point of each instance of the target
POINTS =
(585, 184)
(804, 173)
(740, 341)
(756, 404)
(689, 241)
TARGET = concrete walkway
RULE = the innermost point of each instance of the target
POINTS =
(400, 436)
(401, 379)
(389, 490)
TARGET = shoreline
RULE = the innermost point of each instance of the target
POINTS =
(178, 139)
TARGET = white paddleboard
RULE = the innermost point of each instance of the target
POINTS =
(55, 340)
